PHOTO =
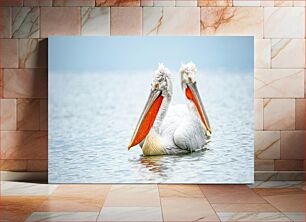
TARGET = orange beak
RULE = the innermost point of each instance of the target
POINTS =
(193, 95)
(147, 118)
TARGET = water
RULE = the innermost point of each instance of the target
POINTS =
(92, 118)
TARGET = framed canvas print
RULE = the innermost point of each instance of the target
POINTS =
(150, 110)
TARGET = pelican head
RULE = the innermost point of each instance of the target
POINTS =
(188, 73)
(161, 88)
(188, 82)
(161, 81)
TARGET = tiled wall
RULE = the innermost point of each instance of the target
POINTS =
(278, 26)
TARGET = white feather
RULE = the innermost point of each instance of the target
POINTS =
(177, 129)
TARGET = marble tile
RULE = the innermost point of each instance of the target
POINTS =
(230, 194)
(295, 216)
(126, 21)
(187, 209)
(266, 192)
(285, 199)
(258, 114)
(9, 188)
(279, 83)
(24, 144)
(159, 21)
(52, 16)
(211, 3)
(262, 56)
(188, 191)
(232, 21)
(95, 21)
(73, 2)
(37, 165)
(163, 3)
(277, 184)
(13, 165)
(253, 216)
(300, 114)
(267, 144)
(33, 53)
(186, 3)
(289, 165)
(118, 3)
(25, 83)
(278, 22)
(1, 84)
(63, 216)
(279, 175)
(8, 53)
(299, 3)
(284, 3)
(237, 3)
(263, 207)
(37, 2)
(292, 145)
(304, 83)
(133, 196)
(70, 204)
(27, 114)
(146, 2)
(25, 22)
(267, 3)
(83, 191)
(8, 114)
(18, 208)
(5, 22)
(130, 214)
(4, 3)
(260, 165)
(43, 114)
(279, 114)
(40, 177)
(284, 50)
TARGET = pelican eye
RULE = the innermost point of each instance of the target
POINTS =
(156, 85)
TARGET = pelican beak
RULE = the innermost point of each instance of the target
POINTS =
(192, 94)
(147, 117)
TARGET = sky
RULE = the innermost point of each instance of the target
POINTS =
(111, 54)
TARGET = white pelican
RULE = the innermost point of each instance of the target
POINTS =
(164, 129)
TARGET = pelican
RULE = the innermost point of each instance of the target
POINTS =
(167, 129)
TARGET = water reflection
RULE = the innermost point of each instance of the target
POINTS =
(91, 126)
(152, 163)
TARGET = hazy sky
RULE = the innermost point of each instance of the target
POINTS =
(87, 54)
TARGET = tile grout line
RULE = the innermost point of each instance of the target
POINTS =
(160, 203)
(278, 210)
(209, 203)
(104, 202)
(267, 202)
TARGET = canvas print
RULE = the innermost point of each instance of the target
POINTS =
(150, 110)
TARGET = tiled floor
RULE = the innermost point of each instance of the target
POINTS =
(268, 201)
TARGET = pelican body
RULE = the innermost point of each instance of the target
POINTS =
(166, 129)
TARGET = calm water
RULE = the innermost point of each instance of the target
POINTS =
(92, 118)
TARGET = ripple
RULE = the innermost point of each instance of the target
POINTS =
(89, 132)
